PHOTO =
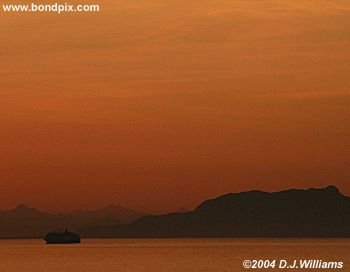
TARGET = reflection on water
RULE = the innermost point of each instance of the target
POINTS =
(180, 255)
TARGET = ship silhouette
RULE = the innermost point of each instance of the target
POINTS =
(65, 237)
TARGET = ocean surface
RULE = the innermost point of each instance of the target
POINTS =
(176, 255)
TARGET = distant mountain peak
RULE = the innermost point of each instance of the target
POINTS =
(22, 207)
(332, 188)
(23, 210)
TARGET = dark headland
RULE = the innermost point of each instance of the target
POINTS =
(292, 213)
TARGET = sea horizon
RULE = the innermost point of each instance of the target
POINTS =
(167, 255)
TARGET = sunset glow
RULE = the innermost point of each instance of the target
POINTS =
(158, 105)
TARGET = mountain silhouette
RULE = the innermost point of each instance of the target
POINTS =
(23, 211)
(26, 222)
(292, 213)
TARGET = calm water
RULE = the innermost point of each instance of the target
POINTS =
(180, 255)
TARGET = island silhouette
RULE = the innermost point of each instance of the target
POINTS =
(322, 212)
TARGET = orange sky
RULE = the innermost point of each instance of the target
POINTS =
(157, 105)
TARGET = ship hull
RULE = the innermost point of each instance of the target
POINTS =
(62, 238)
(57, 241)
